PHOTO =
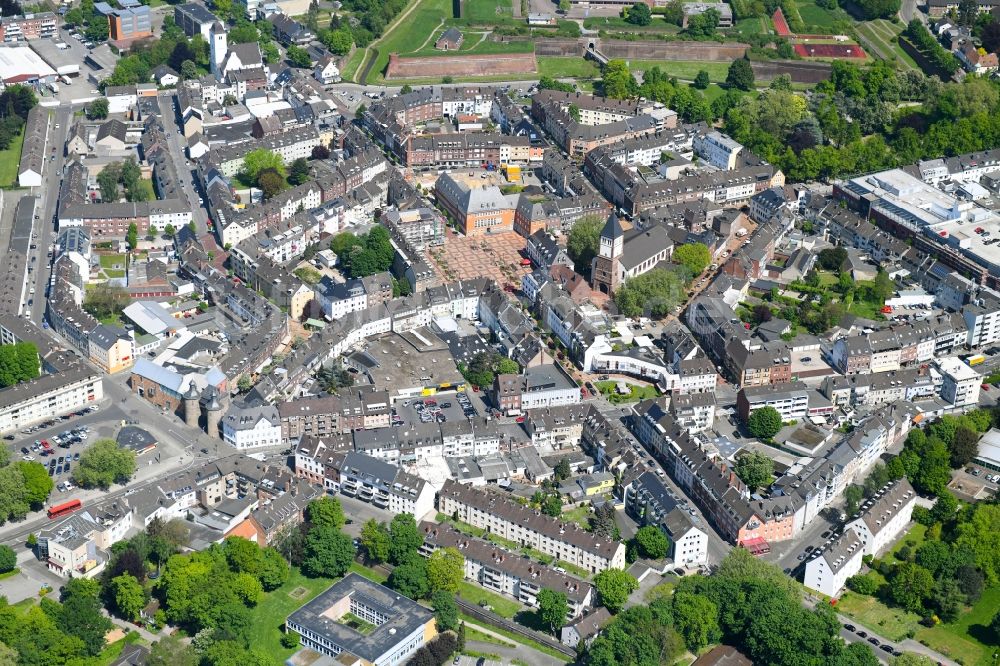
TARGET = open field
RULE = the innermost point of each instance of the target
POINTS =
(882, 35)
(473, 622)
(968, 639)
(567, 67)
(475, 43)
(502, 606)
(755, 25)
(269, 615)
(814, 15)
(486, 11)
(9, 160)
(893, 623)
(618, 23)
(410, 33)
(685, 69)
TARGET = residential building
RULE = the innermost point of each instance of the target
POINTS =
(884, 516)
(586, 628)
(515, 522)
(650, 502)
(504, 572)
(399, 626)
(718, 150)
(384, 485)
(251, 427)
(961, 382)
(317, 416)
(792, 400)
(827, 573)
(112, 349)
(80, 544)
(194, 19)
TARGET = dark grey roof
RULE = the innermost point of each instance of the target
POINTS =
(405, 616)
(135, 438)
(613, 228)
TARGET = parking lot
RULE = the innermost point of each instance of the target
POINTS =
(442, 408)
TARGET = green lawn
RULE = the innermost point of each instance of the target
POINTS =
(914, 538)
(474, 634)
(460, 526)
(486, 11)
(816, 16)
(893, 623)
(685, 69)
(9, 160)
(882, 34)
(755, 25)
(269, 615)
(635, 394)
(579, 572)
(113, 261)
(471, 621)
(502, 606)
(567, 67)
(963, 640)
(368, 573)
(618, 23)
(150, 192)
(410, 34)
(353, 64)
(866, 309)
(579, 515)
(474, 45)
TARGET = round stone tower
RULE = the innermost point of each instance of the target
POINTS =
(213, 414)
(192, 410)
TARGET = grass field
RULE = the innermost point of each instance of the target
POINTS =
(895, 624)
(756, 25)
(353, 64)
(914, 538)
(567, 67)
(579, 572)
(112, 261)
(472, 622)
(579, 515)
(486, 11)
(882, 35)
(618, 23)
(636, 393)
(410, 33)
(9, 160)
(685, 69)
(814, 16)
(474, 634)
(502, 606)
(269, 615)
(475, 44)
(968, 639)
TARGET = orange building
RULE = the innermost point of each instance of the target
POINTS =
(478, 210)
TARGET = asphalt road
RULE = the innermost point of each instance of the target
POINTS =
(177, 146)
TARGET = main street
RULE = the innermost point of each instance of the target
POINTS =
(178, 155)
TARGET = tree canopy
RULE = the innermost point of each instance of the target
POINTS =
(105, 463)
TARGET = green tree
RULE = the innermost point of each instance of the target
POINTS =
(81, 615)
(617, 81)
(910, 586)
(326, 512)
(445, 610)
(696, 619)
(247, 589)
(863, 584)
(879, 9)
(754, 469)
(694, 256)
(740, 75)
(701, 80)
(171, 650)
(298, 57)
(338, 41)
(270, 182)
(614, 587)
(764, 423)
(273, 570)
(258, 160)
(911, 659)
(104, 463)
(410, 577)
(445, 570)
(562, 470)
(8, 559)
(328, 552)
(945, 507)
(169, 231)
(298, 173)
(37, 482)
(405, 538)
(639, 14)
(553, 608)
(375, 541)
(654, 293)
(98, 109)
(132, 236)
(128, 595)
(852, 498)
(964, 446)
(652, 542)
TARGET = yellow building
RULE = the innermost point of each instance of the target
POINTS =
(112, 349)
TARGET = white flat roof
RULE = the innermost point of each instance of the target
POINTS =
(20, 63)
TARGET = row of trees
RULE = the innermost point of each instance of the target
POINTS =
(15, 103)
(747, 603)
(924, 41)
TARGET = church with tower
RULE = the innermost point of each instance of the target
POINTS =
(622, 256)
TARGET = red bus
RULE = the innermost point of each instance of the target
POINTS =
(65, 508)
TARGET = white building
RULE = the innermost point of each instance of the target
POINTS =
(338, 299)
(828, 572)
(982, 317)
(961, 383)
(385, 486)
(71, 388)
(78, 545)
(718, 150)
(884, 517)
(251, 427)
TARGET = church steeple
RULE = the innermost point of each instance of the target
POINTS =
(612, 237)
